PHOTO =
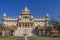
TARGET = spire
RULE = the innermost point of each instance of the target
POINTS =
(25, 9)
(47, 16)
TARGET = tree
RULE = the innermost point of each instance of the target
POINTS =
(54, 22)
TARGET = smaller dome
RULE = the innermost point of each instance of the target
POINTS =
(4, 14)
(47, 14)
(31, 16)
(19, 16)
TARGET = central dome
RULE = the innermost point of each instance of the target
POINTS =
(25, 11)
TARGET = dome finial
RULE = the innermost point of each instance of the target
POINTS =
(26, 9)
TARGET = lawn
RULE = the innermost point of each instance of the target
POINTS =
(11, 38)
(44, 38)
(30, 38)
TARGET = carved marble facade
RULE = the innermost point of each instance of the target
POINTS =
(24, 21)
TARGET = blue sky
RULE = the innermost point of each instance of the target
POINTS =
(37, 7)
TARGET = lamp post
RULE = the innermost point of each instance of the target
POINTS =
(25, 34)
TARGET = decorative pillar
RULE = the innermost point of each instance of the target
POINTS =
(24, 25)
(3, 32)
(39, 32)
(43, 32)
(21, 25)
(27, 25)
(30, 25)
(25, 34)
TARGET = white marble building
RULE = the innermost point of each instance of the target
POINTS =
(24, 24)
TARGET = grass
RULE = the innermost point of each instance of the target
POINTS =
(30, 38)
(44, 38)
(11, 38)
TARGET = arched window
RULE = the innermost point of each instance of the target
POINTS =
(25, 25)
(26, 17)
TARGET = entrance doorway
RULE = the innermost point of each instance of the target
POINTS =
(12, 33)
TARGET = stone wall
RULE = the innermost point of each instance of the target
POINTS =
(23, 31)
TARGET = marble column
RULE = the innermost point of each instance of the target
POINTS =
(40, 33)
(43, 32)
(30, 25)
(24, 25)
(25, 35)
(27, 25)
(21, 25)
(3, 32)
(25, 38)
